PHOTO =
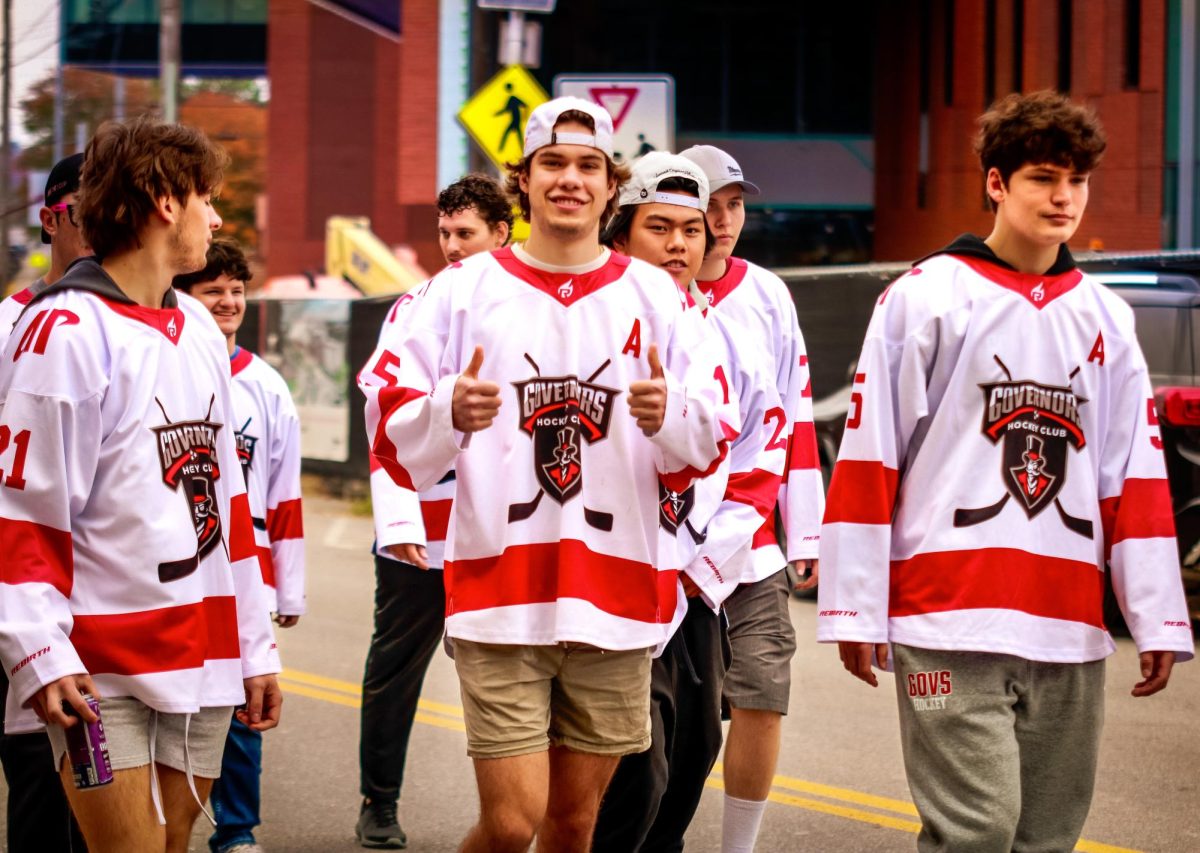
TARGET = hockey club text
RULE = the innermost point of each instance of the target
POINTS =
(188, 455)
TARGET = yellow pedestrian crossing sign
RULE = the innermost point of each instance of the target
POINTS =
(495, 115)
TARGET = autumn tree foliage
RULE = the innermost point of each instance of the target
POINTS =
(231, 112)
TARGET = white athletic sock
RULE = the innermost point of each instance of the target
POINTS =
(739, 828)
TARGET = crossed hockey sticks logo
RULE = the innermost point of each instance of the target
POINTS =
(559, 414)
(1035, 424)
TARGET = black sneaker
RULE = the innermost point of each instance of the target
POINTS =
(378, 828)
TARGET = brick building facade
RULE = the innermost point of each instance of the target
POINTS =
(352, 131)
(940, 62)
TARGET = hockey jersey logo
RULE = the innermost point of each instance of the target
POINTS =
(560, 414)
(675, 507)
(245, 448)
(187, 451)
(1035, 425)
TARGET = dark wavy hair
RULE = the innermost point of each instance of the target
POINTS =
(129, 165)
(1039, 127)
(225, 257)
(480, 192)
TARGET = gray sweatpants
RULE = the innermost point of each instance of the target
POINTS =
(1000, 751)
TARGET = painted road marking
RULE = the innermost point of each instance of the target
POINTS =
(447, 716)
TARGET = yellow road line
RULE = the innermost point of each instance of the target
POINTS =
(829, 808)
(432, 713)
(351, 689)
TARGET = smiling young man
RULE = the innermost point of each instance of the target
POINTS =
(267, 430)
(654, 795)
(474, 215)
(758, 684)
(1002, 452)
(130, 570)
(600, 386)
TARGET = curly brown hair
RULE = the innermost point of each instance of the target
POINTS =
(618, 172)
(129, 165)
(480, 192)
(225, 257)
(1039, 127)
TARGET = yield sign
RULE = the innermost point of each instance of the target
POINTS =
(616, 99)
(642, 107)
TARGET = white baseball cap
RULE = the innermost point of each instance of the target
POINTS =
(720, 169)
(539, 129)
(653, 168)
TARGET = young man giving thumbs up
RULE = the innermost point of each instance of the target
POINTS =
(566, 384)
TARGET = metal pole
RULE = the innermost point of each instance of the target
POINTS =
(169, 27)
(1185, 235)
(514, 39)
(119, 98)
(60, 100)
(5, 153)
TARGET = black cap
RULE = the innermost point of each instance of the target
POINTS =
(63, 180)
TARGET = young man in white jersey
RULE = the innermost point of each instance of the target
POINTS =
(758, 683)
(474, 215)
(267, 430)
(1002, 450)
(557, 586)
(39, 819)
(654, 795)
(136, 579)
(60, 230)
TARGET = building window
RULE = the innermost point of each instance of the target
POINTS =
(1018, 46)
(1064, 46)
(1133, 43)
(948, 55)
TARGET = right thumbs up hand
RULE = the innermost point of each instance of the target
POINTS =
(475, 402)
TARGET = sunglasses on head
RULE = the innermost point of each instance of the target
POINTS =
(69, 208)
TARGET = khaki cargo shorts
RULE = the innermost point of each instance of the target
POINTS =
(519, 700)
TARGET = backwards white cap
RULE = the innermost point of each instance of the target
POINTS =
(654, 168)
(721, 169)
(539, 129)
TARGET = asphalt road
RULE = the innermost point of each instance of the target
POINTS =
(840, 783)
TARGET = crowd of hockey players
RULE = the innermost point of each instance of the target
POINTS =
(593, 516)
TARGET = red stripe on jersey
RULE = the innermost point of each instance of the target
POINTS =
(1151, 517)
(999, 578)
(168, 321)
(239, 361)
(548, 572)
(718, 289)
(758, 488)
(241, 530)
(807, 391)
(286, 521)
(802, 448)
(35, 553)
(373, 463)
(266, 564)
(163, 640)
(861, 493)
(765, 535)
(556, 283)
(24, 297)
(678, 481)
(391, 399)
(436, 515)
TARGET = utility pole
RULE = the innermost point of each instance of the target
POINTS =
(169, 27)
(5, 140)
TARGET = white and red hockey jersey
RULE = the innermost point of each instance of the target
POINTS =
(403, 516)
(122, 507)
(554, 532)
(1001, 448)
(715, 521)
(267, 431)
(12, 306)
(759, 302)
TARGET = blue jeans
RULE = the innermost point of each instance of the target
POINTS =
(236, 795)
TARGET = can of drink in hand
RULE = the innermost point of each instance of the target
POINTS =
(87, 748)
